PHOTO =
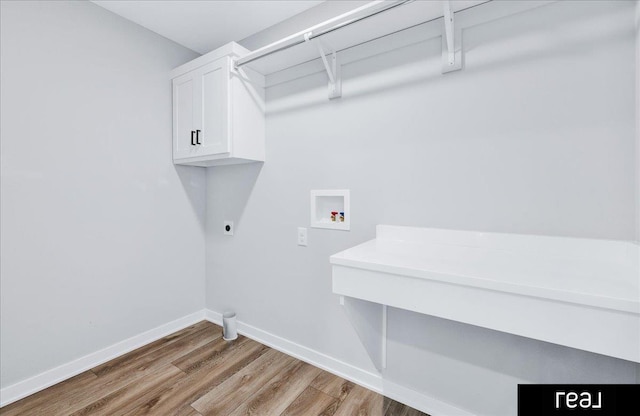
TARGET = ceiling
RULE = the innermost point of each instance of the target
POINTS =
(205, 25)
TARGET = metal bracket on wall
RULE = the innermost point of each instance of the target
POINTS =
(331, 66)
(451, 41)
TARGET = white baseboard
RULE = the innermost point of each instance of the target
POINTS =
(48, 378)
(420, 401)
(372, 381)
(213, 317)
(366, 379)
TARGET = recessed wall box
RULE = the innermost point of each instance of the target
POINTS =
(330, 209)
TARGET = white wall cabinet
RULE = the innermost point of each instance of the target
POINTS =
(218, 112)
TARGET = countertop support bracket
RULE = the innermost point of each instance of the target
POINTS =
(383, 354)
(369, 320)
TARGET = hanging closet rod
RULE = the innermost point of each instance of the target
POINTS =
(368, 10)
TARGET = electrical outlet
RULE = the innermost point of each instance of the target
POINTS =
(302, 236)
(228, 228)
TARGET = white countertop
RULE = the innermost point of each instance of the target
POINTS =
(581, 293)
(598, 273)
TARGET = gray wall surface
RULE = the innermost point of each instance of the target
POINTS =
(536, 135)
(102, 236)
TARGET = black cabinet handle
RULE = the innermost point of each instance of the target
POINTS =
(192, 142)
(198, 137)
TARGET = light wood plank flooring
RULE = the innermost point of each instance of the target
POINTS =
(195, 372)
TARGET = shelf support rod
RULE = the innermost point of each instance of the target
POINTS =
(365, 11)
(332, 68)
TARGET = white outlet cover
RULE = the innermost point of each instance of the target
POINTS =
(302, 236)
(230, 225)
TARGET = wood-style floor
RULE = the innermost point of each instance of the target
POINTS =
(195, 372)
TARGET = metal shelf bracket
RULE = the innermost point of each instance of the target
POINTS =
(451, 41)
(331, 65)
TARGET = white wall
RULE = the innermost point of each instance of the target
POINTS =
(102, 236)
(638, 121)
(536, 135)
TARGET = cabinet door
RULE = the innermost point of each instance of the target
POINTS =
(185, 92)
(214, 107)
